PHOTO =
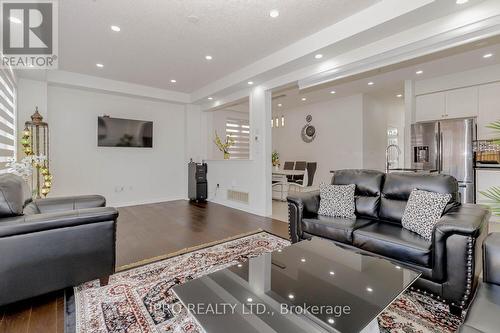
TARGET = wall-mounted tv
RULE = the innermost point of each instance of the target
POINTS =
(116, 132)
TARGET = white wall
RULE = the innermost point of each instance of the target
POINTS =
(123, 175)
(339, 139)
(252, 176)
(380, 113)
(30, 94)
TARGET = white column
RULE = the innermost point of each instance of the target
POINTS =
(260, 151)
(409, 119)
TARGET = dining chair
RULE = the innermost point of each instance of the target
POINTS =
(311, 171)
(299, 165)
(289, 165)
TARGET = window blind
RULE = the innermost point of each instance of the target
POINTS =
(239, 131)
(7, 117)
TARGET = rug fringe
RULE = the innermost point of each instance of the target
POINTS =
(186, 250)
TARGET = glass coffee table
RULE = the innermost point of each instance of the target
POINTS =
(310, 286)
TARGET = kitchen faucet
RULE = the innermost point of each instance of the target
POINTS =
(387, 164)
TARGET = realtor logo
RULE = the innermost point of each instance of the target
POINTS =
(29, 34)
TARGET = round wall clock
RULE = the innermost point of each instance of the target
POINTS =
(308, 132)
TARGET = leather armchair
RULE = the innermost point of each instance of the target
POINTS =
(450, 263)
(52, 244)
(482, 316)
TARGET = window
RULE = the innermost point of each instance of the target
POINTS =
(7, 117)
(239, 131)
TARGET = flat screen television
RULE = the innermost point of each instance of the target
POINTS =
(116, 132)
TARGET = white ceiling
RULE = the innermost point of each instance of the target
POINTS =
(389, 82)
(158, 42)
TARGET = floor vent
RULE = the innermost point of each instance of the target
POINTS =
(237, 196)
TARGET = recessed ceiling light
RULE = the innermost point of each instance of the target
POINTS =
(303, 99)
(15, 20)
(333, 92)
(369, 289)
(210, 98)
(249, 299)
(371, 83)
(208, 57)
(250, 83)
(318, 56)
(419, 72)
(399, 95)
(331, 321)
(99, 65)
(240, 265)
(461, 2)
(173, 81)
(488, 55)
(398, 267)
(303, 260)
(291, 296)
(280, 105)
(116, 28)
(274, 13)
(332, 273)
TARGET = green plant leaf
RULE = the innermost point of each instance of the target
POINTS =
(493, 194)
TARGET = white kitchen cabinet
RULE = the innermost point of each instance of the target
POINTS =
(485, 179)
(430, 107)
(461, 103)
(456, 103)
(489, 110)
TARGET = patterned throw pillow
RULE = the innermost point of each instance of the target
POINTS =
(423, 211)
(336, 200)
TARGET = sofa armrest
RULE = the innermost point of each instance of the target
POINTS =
(26, 224)
(457, 241)
(46, 252)
(466, 219)
(300, 205)
(49, 205)
(491, 259)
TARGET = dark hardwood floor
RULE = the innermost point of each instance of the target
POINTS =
(144, 232)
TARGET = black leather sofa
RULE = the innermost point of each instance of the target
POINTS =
(51, 244)
(450, 263)
(483, 315)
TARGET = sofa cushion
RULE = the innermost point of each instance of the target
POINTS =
(483, 313)
(423, 211)
(335, 228)
(11, 195)
(368, 187)
(393, 241)
(397, 188)
(336, 200)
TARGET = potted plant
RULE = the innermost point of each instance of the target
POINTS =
(224, 147)
(275, 157)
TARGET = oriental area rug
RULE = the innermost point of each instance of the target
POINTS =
(139, 299)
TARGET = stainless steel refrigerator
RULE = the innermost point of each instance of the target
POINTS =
(447, 147)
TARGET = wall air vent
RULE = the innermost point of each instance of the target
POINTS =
(237, 196)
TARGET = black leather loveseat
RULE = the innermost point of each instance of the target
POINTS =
(450, 263)
(51, 244)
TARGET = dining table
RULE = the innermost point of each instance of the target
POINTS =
(280, 180)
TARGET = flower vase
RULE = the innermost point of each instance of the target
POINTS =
(226, 155)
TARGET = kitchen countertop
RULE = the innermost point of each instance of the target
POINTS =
(487, 167)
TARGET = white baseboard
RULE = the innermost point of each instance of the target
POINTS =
(144, 202)
(234, 205)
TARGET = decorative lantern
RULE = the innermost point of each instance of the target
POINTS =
(35, 141)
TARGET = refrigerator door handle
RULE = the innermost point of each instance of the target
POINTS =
(437, 151)
(440, 167)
